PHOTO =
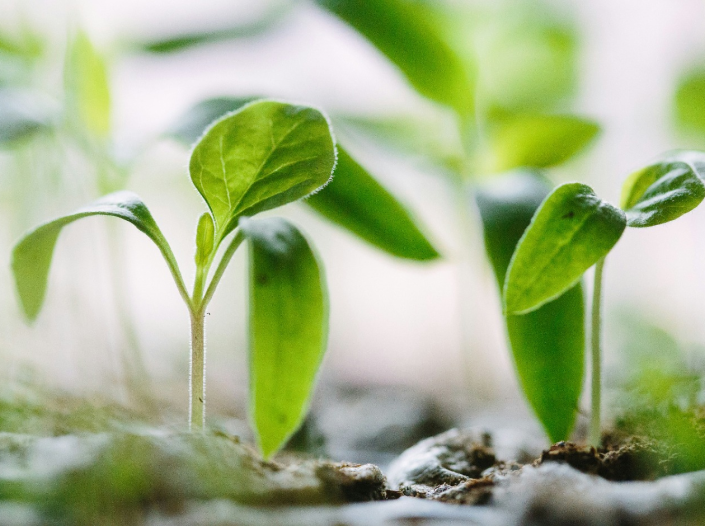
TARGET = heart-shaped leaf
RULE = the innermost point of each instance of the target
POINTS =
(356, 201)
(537, 141)
(31, 257)
(570, 232)
(265, 155)
(665, 190)
(288, 328)
(402, 31)
(548, 344)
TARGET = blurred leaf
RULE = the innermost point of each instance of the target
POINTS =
(190, 126)
(185, 41)
(528, 63)
(31, 256)
(690, 101)
(356, 201)
(665, 190)
(536, 141)
(570, 232)
(266, 155)
(87, 89)
(548, 344)
(27, 44)
(401, 31)
(288, 328)
(21, 116)
(430, 139)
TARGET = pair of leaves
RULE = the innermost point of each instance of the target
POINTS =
(353, 199)
(288, 152)
(574, 229)
(548, 344)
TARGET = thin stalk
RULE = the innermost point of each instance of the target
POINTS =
(197, 372)
(596, 344)
(197, 308)
(218, 274)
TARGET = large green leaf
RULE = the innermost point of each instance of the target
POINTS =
(31, 257)
(401, 31)
(265, 155)
(548, 344)
(690, 101)
(191, 125)
(536, 141)
(288, 328)
(665, 190)
(570, 232)
(87, 89)
(354, 200)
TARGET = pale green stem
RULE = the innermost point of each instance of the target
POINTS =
(197, 372)
(218, 274)
(197, 309)
(596, 344)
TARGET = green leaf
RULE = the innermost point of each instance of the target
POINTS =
(537, 141)
(570, 232)
(548, 344)
(355, 201)
(191, 125)
(288, 328)
(87, 89)
(265, 155)
(431, 139)
(31, 256)
(253, 28)
(665, 190)
(402, 32)
(528, 60)
(205, 239)
(22, 115)
(690, 101)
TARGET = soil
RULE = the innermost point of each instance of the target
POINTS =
(461, 467)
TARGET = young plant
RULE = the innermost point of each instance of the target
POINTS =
(263, 156)
(574, 229)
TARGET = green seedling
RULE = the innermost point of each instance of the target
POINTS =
(503, 115)
(574, 229)
(263, 156)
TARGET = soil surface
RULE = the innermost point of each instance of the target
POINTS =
(461, 467)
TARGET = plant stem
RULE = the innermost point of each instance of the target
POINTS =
(220, 270)
(596, 344)
(197, 372)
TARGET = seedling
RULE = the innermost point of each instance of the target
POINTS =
(574, 229)
(262, 156)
